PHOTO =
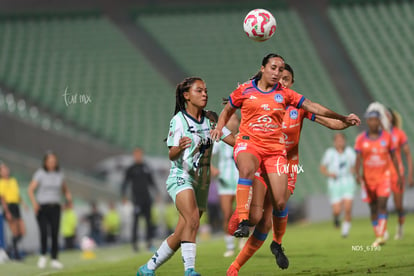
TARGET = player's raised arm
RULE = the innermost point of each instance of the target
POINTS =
(321, 110)
(331, 123)
(225, 115)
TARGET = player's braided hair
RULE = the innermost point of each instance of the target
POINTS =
(182, 87)
(265, 60)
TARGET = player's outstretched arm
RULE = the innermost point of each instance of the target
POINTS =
(321, 110)
(225, 115)
(330, 123)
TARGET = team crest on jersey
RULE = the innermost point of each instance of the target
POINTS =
(279, 98)
(293, 114)
(383, 143)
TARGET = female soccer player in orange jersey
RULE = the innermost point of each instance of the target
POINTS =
(261, 207)
(260, 143)
(401, 143)
(375, 151)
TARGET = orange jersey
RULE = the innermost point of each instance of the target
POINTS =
(376, 159)
(263, 113)
(399, 139)
(291, 127)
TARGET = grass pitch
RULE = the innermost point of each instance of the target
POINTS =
(313, 249)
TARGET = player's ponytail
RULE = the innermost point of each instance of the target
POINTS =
(265, 61)
(182, 87)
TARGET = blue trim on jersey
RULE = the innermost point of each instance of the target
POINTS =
(358, 151)
(244, 181)
(382, 216)
(281, 214)
(301, 102)
(259, 235)
(194, 119)
(379, 136)
(232, 104)
(313, 117)
(264, 92)
(374, 223)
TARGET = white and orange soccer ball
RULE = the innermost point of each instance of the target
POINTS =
(259, 25)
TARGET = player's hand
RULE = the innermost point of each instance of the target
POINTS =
(352, 120)
(400, 183)
(36, 208)
(410, 181)
(184, 143)
(216, 134)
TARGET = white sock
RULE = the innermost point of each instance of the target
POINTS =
(188, 251)
(346, 226)
(229, 239)
(160, 256)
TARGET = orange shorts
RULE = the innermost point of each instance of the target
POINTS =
(292, 177)
(394, 185)
(372, 191)
(270, 162)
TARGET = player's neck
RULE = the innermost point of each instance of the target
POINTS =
(374, 133)
(194, 112)
(262, 85)
(340, 149)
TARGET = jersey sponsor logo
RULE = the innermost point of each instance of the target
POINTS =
(279, 98)
(180, 181)
(293, 114)
(264, 119)
(265, 107)
(383, 143)
(252, 97)
(240, 147)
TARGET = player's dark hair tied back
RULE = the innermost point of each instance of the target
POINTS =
(182, 87)
(265, 60)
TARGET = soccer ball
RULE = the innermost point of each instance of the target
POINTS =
(259, 25)
(87, 244)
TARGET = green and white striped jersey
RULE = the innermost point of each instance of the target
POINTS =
(194, 163)
(229, 174)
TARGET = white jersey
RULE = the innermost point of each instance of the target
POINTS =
(229, 174)
(340, 164)
(193, 165)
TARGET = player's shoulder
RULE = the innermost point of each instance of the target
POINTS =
(245, 87)
(361, 136)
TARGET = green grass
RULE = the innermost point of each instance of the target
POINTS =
(313, 249)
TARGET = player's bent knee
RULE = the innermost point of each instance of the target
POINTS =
(255, 216)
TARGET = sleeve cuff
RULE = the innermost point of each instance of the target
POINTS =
(232, 104)
(300, 102)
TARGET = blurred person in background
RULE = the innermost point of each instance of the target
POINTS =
(401, 142)
(10, 199)
(111, 224)
(228, 175)
(94, 219)
(375, 155)
(45, 192)
(139, 177)
(213, 207)
(69, 223)
(338, 165)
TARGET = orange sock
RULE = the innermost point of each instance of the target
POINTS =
(280, 219)
(243, 198)
(253, 244)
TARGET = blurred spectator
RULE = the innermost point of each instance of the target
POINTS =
(48, 183)
(94, 219)
(10, 199)
(140, 178)
(111, 224)
(69, 223)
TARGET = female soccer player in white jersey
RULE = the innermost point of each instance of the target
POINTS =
(228, 175)
(190, 146)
